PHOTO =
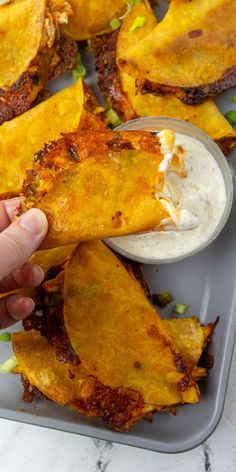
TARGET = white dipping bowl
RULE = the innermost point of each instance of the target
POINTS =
(181, 127)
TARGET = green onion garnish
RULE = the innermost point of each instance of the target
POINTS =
(79, 72)
(113, 118)
(162, 299)
(75, 74)
(138, 23)
(5, 337)
(8, 366)
(134, 2)
(114, 23)
(180, 308)
(231, 117)
(234, 98)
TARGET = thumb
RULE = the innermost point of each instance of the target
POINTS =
(21, 239)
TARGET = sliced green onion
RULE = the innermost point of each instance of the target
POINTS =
(115, 23)
(231, 117)
(180, 308)
(79, 72)
(8, 366)
(162, 299)
(234, 98)
(112, 117)
(5, 337)
(138, 23)
(75, 74)
(134, 2)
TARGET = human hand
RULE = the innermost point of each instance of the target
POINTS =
(18, 240)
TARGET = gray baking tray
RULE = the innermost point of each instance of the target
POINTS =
(207, 282)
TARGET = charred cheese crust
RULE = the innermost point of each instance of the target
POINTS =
(48, 64)
(104, 49)
(193, 95)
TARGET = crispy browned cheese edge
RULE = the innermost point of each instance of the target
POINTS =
(192, 95)
(48, 64)
(104, 49)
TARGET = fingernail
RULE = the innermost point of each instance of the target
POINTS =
(29, 304)
(23, 307)
(11, 207)
(34, 221)
(38, 271)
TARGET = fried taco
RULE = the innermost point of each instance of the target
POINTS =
(94, 185)
(119, 363)
(32, 51)
(120, 91)
(42, 124)
(191, 53)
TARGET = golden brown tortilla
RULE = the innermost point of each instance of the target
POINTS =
(92, 17)
(120, 90)
(126, 362)
(21, 137)
(191, 53)
(32, 51)
(117, 334)
(21, 26)
(94, 185)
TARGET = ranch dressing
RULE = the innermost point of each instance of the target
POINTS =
(201, 197)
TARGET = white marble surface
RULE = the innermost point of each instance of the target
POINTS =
(26, 448)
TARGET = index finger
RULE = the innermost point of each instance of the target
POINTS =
(8, 210)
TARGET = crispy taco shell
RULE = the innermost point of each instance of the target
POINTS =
(120, 90)
(143, 372)
(191, 53)
(69, 385)
(40, 125)
(52, 366)
(21, 26)
(94, 185)
(117, 334)
(32, 51)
